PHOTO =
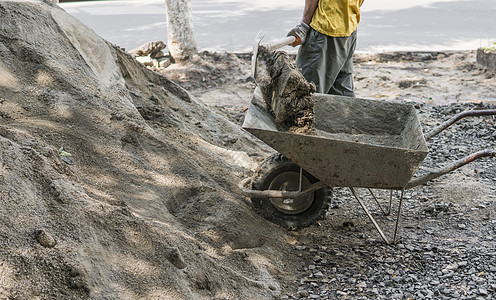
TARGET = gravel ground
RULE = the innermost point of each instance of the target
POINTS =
(446, 247)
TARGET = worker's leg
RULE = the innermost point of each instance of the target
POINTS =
(322, 59)
(343, 83)
(312, 60)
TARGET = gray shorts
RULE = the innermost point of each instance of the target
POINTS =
(328, 62)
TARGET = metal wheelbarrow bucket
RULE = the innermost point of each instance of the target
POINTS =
(358, 143)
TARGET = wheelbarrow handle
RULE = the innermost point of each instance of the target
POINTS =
(456, 118)
(453, 166)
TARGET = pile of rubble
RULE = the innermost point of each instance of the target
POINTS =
(151, 55)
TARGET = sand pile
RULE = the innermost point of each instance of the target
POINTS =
(145, 208)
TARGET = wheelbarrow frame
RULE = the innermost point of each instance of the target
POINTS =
(411, 182)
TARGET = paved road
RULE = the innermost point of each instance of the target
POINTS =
(231, 25)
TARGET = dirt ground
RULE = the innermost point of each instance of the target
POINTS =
(223, 80)
(120, 183)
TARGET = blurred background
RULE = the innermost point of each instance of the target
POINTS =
(231, 25)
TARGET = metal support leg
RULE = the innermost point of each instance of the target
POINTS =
(388, 211)
(398, 217)
(300, 183)
(369, 215)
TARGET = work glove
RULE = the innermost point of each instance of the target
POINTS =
(300, 32)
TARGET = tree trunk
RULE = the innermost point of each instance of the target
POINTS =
(181, 40)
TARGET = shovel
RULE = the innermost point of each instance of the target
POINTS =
(274, 45)
(282, 87)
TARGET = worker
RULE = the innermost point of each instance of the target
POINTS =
(327, 35)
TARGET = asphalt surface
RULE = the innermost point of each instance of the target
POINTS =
(231, 25)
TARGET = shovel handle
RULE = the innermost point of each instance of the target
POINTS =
(276, 44)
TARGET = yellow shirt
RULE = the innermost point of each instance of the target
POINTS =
(337, 18)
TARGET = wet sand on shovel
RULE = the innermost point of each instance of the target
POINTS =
(287, 94)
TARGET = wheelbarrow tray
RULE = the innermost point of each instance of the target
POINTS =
(357, 143)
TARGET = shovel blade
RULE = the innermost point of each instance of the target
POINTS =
(254, 58)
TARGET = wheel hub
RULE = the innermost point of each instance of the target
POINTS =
(290, 181)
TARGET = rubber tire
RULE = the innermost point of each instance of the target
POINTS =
(267, 171)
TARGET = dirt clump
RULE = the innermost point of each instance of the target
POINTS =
(287, 94)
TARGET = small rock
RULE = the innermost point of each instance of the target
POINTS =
(158, 54)
(463, 263)
(302, 294)
(164, 62)
(452, 266)
(45, 239)
(446, 291)
(410, 248)
(174, 256)
(483, 292)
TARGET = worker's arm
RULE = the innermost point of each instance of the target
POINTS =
(301, 30)
(309, 10)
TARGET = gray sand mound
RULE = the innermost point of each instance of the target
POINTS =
(145, 208)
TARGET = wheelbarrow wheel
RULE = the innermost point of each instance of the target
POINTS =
(278, 173)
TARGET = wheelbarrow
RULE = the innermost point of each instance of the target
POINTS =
(358, 143)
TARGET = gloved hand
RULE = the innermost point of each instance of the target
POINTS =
(300, 31)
